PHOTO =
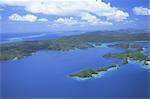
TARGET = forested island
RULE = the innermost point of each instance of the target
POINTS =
(89, 72)
(18, 50)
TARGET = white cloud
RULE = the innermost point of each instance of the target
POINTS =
(65, 21)
(28, 17)
(141, 11)
(86, 20)
(93, 20)
(43, 20)
(74, 8)
(89, 18)
(118, 16)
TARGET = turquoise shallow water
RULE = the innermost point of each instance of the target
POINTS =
(45, 74)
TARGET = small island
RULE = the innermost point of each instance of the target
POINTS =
(89, 72)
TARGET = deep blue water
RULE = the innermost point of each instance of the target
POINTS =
(45, 74)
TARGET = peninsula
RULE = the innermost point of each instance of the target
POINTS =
(132, 54)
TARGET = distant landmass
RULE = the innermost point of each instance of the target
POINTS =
(18, 50)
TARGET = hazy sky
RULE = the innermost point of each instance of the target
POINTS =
(51, 15)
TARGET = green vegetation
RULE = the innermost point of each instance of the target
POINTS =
(88, 72)
(105, 68)
(18, 50)
(133, 54)
(137, 46)
(85, 73)
(21, 49)
(126, 46)
(125, 60)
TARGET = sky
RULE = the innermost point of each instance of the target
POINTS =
(72, 15)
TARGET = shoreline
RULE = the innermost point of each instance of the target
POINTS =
(139, 63)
